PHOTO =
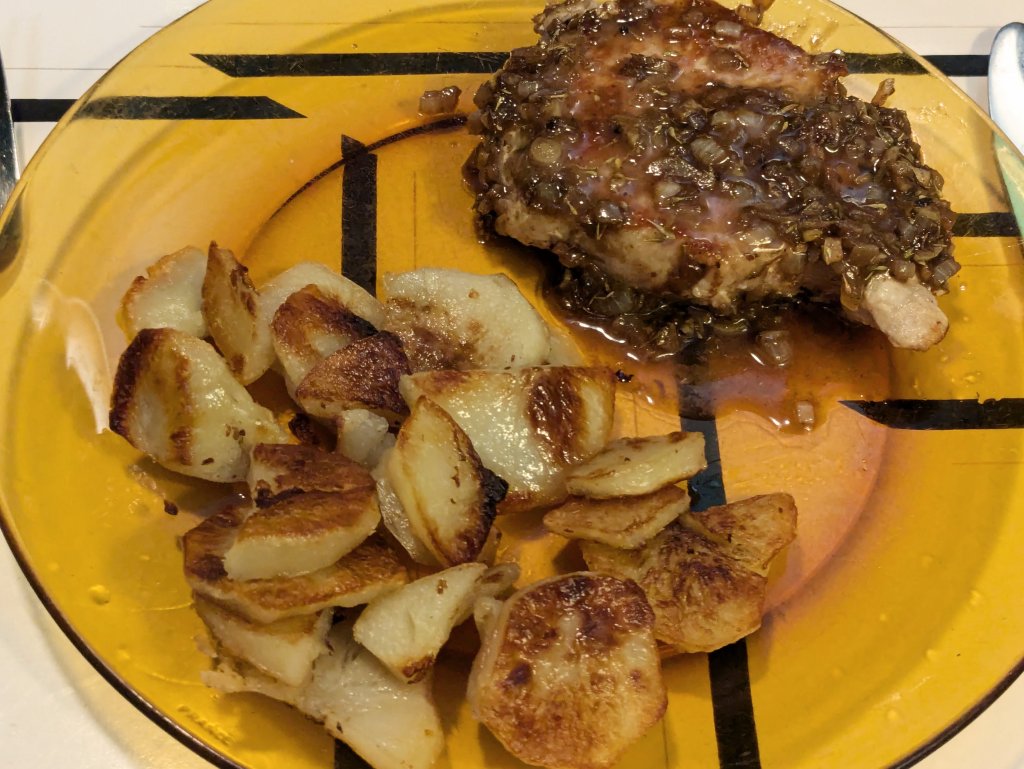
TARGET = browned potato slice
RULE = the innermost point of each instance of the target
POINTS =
(461, 320)
(753, 531)
(634, 466)
(363, 436)
(307, 327)
(447, 494)
(285, 468)
(231, 310)
(330, 283)
(702, 598)
(284, 649)
(625, 522)
(568, 675)
(361, 375)
(528, 425)
(169, 296)
(176, 400)
(301, 533)
(390, 723)
(406, 629)
(368, 571)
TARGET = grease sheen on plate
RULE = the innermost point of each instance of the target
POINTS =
(911, 617)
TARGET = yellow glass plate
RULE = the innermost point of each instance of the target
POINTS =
(895, 617)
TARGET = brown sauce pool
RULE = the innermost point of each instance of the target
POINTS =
(830, 465)
(829, 360)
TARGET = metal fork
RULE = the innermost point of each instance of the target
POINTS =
(10, 233)
(8, 150)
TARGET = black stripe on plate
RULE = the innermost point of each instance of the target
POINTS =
(486, 62)
(731, 701)
(437, 126)
(185, 108)
(354, 64)
(39, 110)
(961, 64)
(735, 730)
(952, 65)
(346, 758)
(917, 414)
(995, 224)
(359, 264)
(359, 214)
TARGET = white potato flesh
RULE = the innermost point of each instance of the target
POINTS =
(169, 296)
(497, 581)
(454, 319)
(363, 436)
(406, 629)
(527, 425)
(397, 522)
(176, 400)
(447, 494)
(349, 294)
(388, 722)
(485, 612)
(301, 533)
(231, 311)
(284, 650)
(391, 723)
(630, 467)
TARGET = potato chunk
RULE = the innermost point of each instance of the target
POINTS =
(752, 531)
(301, 533)
(169, 296)
(362, 375)
(406, 629)
(396, 521)
(446, 492)
(454, 319)
(176, 400)
(284, 649)
(330, 283)
(705, 582)
(568, 675)
(309, 326)
(390, 723)
(363, 436)
(634, 466)
(625, 522)
(286, 468)
(702, 599)
(528, 425)
(231, 311)
(368, 571)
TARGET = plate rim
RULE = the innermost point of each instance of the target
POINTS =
(195, 743)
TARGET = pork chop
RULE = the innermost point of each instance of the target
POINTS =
(679, 149)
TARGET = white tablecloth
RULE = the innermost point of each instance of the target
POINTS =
(55, 711)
